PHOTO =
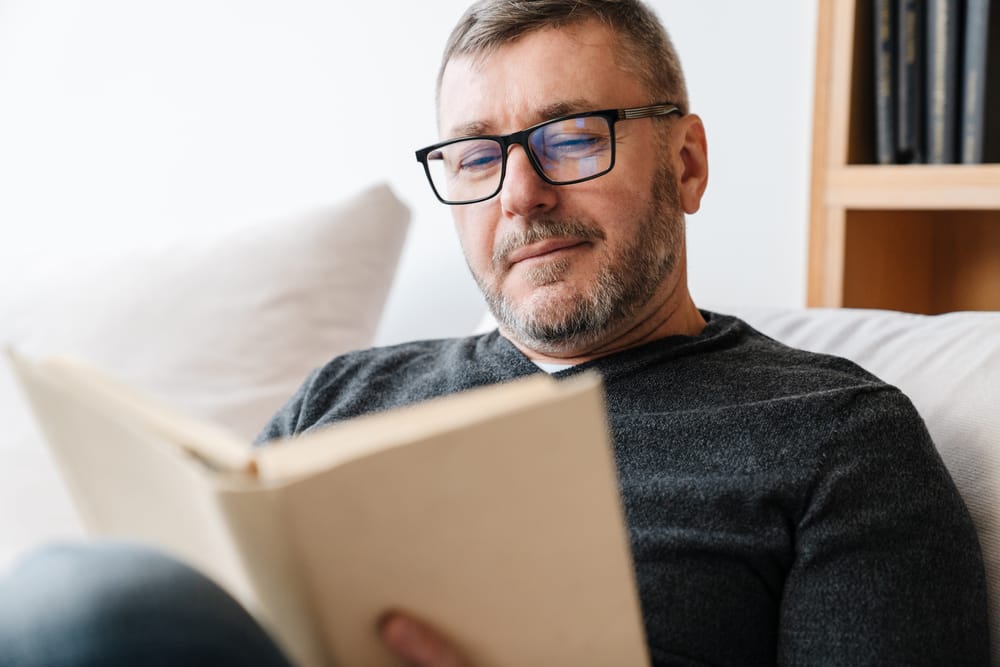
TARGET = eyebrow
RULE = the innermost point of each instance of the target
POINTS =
(547, 112)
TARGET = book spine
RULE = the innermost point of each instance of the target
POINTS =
(942, 79)
(991, 104)
(885, 85)
(974, 72)
(910, 128)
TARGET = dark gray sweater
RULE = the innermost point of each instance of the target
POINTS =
(782, 506)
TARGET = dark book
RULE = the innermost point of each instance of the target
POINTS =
(980, 129)
(943, 20)
(910, 129)
(885, 80)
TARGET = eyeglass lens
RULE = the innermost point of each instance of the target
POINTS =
(564, 150)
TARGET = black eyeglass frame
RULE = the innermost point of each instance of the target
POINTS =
(521, 139)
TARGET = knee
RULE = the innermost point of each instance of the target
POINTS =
(113, 603)
(94, 580)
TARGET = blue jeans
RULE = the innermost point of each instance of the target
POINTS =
(117, 603)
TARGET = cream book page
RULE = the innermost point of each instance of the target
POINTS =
(215, 445)
(127, 480)
(138, 471)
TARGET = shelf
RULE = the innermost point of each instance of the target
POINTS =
(923, 187)
(928, 261)
(918, 238)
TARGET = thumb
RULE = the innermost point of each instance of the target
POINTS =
(416, 643)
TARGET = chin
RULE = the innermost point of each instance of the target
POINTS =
(554, 321)
(551, 305)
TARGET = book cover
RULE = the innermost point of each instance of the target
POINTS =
(910, 82)
(493, 515)
(943, 20)
(886, 26)
(980, 126)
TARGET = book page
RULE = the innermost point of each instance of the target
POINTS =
(216, 446)
(127, 481)
(129, 469)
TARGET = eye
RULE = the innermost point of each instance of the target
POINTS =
(467, 158)
(576, 145)
(479, 159)
(571, 140)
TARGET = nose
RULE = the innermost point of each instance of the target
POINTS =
(524, 193)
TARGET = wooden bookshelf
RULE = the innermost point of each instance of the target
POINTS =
(919, 238)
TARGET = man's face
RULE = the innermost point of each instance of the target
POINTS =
(565, 269)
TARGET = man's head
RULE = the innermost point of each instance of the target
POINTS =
(643, 47)
(575, 271)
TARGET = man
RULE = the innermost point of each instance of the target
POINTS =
(782, 506)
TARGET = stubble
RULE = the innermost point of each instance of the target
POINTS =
(617, 292)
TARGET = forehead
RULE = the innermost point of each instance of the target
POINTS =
(545, 73)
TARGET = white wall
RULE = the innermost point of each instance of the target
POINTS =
(122, 121)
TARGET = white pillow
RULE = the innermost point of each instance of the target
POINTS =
(224, 326)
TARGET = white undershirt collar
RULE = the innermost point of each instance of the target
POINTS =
(550, 367)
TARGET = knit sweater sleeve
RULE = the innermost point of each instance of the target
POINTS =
(887, 567)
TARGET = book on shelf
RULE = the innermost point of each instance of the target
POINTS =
(886, 27)
(980, 120)
(943, 53)
(910, 129)
(493, 514)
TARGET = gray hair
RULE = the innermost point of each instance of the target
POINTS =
(645, 47)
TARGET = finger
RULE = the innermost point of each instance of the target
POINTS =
(416, 643)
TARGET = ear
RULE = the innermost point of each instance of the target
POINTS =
(690, 161)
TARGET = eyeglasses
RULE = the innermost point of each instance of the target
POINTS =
(565, 150)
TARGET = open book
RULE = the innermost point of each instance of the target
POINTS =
(494, 515)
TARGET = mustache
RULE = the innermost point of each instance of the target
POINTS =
(541, 229)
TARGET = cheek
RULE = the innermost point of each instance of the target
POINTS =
(475, 234)
(620, 215)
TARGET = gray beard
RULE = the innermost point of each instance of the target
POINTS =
(618, 291)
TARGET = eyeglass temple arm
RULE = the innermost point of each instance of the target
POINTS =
(646, 112)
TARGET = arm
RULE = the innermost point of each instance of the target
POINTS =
(887, 565)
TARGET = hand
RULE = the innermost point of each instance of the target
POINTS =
(416, 643)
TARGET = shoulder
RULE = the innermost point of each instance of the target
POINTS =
(730, 361)
(832, 414)
(422, 368)
(829, 389)
(752, 402)
(381, 378)
(755, 353)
